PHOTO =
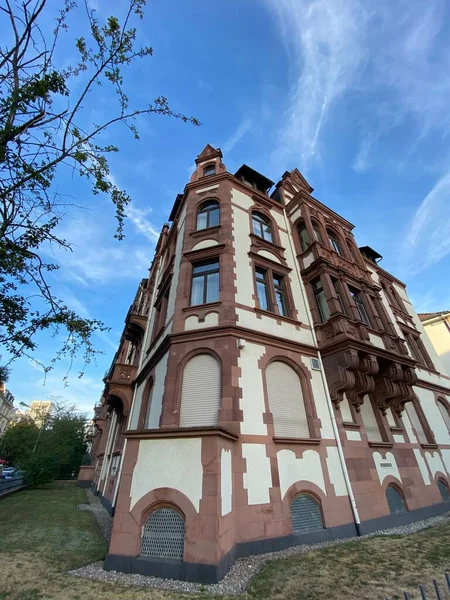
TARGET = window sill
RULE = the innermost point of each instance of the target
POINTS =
(304, 441)
(273, 315)
(381, 444)
(270, 245)
(429, 446)
(397, 430)
(351, 425)
(209, 252)
(201, 306)
(207, 230)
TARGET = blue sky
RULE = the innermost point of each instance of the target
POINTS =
(356, 94)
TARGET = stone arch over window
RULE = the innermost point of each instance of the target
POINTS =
(163, 534)
(395, 499)
(445, 411)
(306, 514)
(285, 395)
(208, 214)
(262, 226)
(201, 391)
(444, 490)
(335, 242)
(209, 170)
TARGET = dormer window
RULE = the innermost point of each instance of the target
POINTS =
(208, 214)
(334, 242)
(209, 170)
(262, 227)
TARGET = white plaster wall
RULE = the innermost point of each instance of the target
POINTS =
(370, 421)
(244, 283)
(376, 340)
(399, 438)
(320, 400)
(435, 463)
(385, 471)
(422, 466)
(158, 392)
(407, 423)
(173, 463)
(136, 408)
(226, 484)
(205, 244)
(296, 214)
(335, 471)
(208, 189)
(297, 286)
(429, 377)
(446, 459)
(192, 322)
(251, 384)
(440, 338)
(345, 410)
(285, 330)
(268, 255)
(292, 469)
(353, 436)
(258, 478)
(308, 259)
(433, 415)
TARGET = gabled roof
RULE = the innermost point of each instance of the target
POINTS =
(208, 152)
(427, 316)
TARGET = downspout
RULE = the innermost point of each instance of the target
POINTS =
(348, 484)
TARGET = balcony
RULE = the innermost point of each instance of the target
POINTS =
(119, 387)
(136, 321)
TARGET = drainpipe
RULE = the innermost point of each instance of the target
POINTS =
(348, 484)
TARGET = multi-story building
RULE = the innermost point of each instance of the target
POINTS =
(437, 326)
(7, 409)
(272, 387)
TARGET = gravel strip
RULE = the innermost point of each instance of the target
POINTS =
(241, 573)
(104, 520)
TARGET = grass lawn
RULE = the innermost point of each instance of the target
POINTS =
(42, 535)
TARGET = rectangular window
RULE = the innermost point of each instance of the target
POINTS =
(262, 289)
(356, 295)
(280, 295)
(338, 294)
(321, 300)
(205, 282)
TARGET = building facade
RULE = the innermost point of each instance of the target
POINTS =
(437, 327)
(7, 409)
(272, 386)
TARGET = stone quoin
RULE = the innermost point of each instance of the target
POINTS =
(273, 386)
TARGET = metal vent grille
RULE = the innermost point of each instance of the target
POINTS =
(306, 514)
(443, 488)
(163, 534)
(395, 500)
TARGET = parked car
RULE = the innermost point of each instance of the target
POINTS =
(9, 472)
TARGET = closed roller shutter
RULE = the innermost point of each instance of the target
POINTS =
(286, 402)
(306, 514)
(395, 500)
(201, 393)
(443, 488)
(163, 534)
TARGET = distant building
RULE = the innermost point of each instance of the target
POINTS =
(7, 409)
(39, 410)
(273, 386)
(437, 326)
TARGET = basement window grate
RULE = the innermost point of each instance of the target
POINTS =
(163, 534)
(306, 514)
(395, 500)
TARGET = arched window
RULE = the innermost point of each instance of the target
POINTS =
(316, 231)
(306, 514)
(395, 500)
(443, 488)
(285, 397)
(209, 170)
(303, 236)
(262, 227)
(444, 412)
(200, 392)
(354, 253)
(334, 242)
(146, 405)
(396, 299)
(208, 214)
(163, 534)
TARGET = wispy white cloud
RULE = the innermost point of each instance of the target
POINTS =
(244, 127)
(342, 47)
(428, 238)
(139, 218)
